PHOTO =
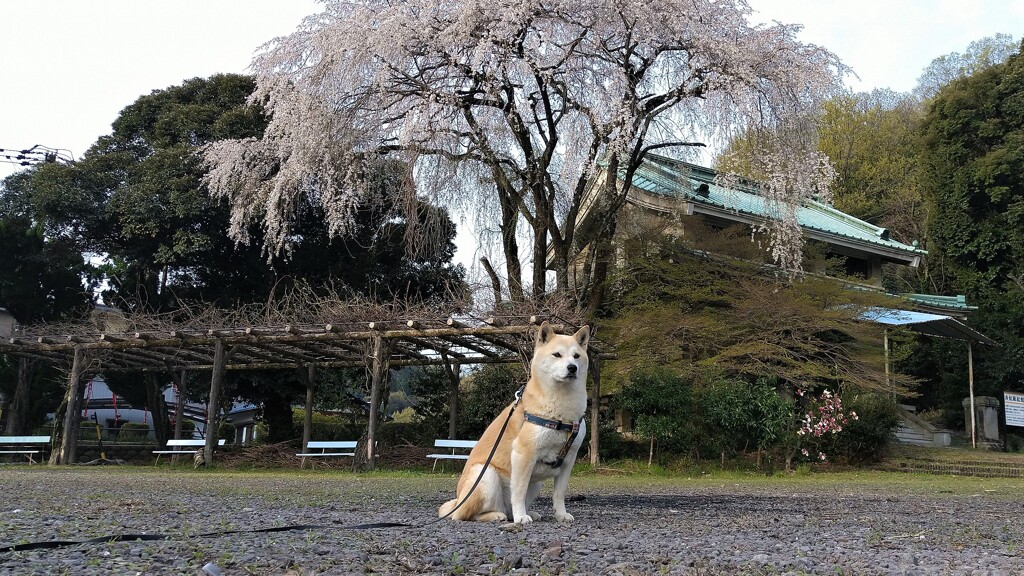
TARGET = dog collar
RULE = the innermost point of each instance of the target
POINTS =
(573, 428)
(552, 424)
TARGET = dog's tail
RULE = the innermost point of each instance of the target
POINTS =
(447, 507)
(467, 511)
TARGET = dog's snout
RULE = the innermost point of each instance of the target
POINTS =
(571, 368)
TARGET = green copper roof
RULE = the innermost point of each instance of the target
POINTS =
(673, 178)
(958, 302)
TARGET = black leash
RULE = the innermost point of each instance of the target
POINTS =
(494, 448)
(294, 527)
(135, 537)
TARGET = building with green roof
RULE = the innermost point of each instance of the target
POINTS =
(673, 191)
(664, 179)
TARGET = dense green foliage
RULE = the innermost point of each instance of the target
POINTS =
(746, 416)
(943, 166)
(137, 199)
(431, 388)
(974, 142)
(730, 419)
(41, 279)
(868, 438)
(663, 408)
(973, 148)
(486, 393)
(711, 352)
(707, 318)
(44, 279)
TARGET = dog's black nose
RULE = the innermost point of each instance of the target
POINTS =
(571, 368)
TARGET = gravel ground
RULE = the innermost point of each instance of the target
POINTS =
(882, 524)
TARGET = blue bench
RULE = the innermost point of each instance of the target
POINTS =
(27, 446)
(321, 448)
(455, 446)
(183, 446)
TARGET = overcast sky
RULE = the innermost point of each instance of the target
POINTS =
(69, 66)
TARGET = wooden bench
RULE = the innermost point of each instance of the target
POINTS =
(315, 448)
(454, 445)
(183, 446)
(27, 446)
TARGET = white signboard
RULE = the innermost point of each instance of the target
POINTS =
(1014, 403)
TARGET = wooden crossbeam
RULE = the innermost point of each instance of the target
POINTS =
(290, 345)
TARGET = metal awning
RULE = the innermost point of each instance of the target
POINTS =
(930, 324)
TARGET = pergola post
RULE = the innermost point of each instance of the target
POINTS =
(595, 409)
(378, 373)
(179, 410)
(309, 375)
(885, 345)
(179, 405)
(69, 441)
(216, 379)
(970, 384)
(453, 371)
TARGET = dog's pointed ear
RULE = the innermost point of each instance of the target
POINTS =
(582, 336)
(545, 333)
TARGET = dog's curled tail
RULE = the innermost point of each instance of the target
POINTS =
(447, 507)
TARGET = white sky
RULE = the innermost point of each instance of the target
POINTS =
(67, 67)
(888, 43)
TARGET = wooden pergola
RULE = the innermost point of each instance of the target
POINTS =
(378, 346)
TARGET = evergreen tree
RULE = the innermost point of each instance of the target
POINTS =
(973, 139)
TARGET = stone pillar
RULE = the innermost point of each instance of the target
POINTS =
(986, 416)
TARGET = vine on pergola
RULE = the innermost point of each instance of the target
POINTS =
(304, 330)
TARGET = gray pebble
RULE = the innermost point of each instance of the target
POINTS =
(717, 528)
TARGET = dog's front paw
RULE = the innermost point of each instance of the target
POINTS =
(564, 517)
(524, 519)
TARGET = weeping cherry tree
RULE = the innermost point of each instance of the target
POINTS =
(510, 110)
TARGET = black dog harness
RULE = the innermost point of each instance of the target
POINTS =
(574, 431)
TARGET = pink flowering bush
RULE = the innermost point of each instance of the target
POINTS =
(818, 417)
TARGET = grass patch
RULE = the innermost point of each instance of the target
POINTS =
(627, 479)
(955, 455)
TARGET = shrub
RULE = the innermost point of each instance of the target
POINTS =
(1014, 442)
(226, 431)
(663, 408)
(430, 386)
(406, 415)
(188, 427)
(325, 426)
(616, 446)
(489, 391)
(739, 416)
(134, 431)
(868, 438)
(87, 431)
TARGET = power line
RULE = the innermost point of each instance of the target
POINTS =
(37, 154)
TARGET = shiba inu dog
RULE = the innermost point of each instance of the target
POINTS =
(543, 435)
